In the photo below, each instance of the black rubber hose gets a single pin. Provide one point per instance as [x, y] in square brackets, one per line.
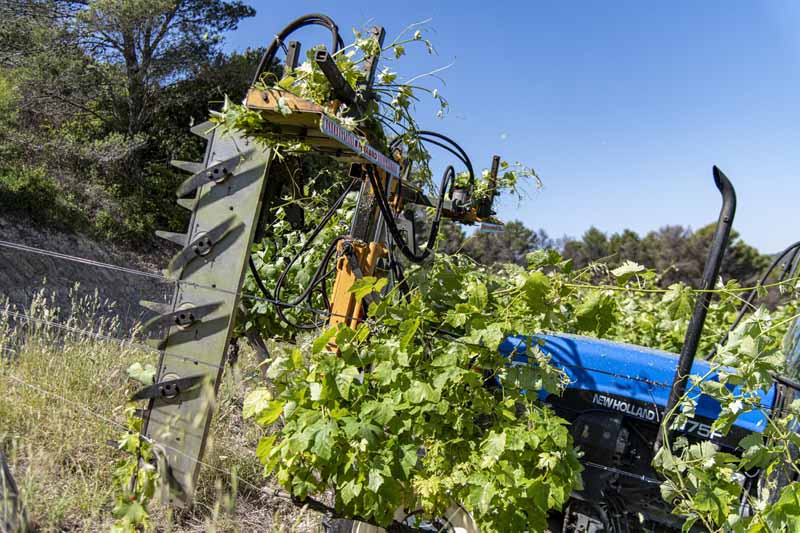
[321, 279]
[399, 275]
[313, 19]
[386, 211]
[464, 157]
[279, 284]
[317, 281]
[325, 219]
[450, 149]
[791, 266]
[259, 281]
[454, 148]
[466, 163]
[793, 273]
[748, 302]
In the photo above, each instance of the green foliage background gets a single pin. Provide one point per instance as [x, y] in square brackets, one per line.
[97, 97]
[422, 429]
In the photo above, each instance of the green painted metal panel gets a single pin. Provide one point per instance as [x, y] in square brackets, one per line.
[212, 271]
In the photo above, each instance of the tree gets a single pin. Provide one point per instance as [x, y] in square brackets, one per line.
[677, 252]
[670, 252]
[742, 262]
[221, 75]
[511, 246]
[626, 245]
[593, 246]
[156, 42]
[103, 94]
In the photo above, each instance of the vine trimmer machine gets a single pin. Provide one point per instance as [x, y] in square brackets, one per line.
[226, 194]
[618, 393]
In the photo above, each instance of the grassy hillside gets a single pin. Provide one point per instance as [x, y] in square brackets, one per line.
[63, 400]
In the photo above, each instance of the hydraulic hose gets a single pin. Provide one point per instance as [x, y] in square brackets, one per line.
[791, 266]
[317, 273]
[399, 275]
[318, 277]
[321, 282]
[748, 302]
[386, 211]
[257, 277]
[313, 19]
[454, 148]
[463, 155]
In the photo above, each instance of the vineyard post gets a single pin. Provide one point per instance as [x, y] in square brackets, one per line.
[12, 513]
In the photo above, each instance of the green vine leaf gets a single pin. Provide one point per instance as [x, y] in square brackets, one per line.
[344, 379]
[367, 285]
[596, 314]
[493, 448]
[260, 405]
[143, 374]
[626, 270]
[536, 288]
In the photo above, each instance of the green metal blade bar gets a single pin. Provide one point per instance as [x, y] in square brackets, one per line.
[181, 423]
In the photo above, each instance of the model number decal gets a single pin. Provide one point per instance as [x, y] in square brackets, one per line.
[701, 430]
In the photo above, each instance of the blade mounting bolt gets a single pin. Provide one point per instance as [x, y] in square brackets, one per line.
[203, 245]
[184, 319]
[169, 390]
[218, 174]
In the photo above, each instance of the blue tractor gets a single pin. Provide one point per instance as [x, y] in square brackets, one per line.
[615, 403]
[617, 397]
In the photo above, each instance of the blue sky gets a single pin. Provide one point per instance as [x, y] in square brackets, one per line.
[622, 107]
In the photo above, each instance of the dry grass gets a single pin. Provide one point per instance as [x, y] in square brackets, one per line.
[60, 453]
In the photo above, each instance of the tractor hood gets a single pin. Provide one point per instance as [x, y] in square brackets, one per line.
[625, 371]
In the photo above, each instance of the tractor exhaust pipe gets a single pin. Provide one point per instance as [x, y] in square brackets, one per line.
[710, 274]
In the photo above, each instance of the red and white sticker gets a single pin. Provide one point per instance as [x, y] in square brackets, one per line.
[488, 227]
[335, 131]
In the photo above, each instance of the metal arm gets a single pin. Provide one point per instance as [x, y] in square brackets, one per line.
[341, 89]
[225, 210]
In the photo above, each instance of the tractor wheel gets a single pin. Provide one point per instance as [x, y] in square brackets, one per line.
[338, 525]
[456, 520]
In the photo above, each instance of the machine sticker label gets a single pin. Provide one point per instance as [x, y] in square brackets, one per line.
[488, 227]
[690, 426]
[700, 429]
[624, 407]
[335, 131]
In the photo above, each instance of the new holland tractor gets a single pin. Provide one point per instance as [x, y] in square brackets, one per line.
[618, 396]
